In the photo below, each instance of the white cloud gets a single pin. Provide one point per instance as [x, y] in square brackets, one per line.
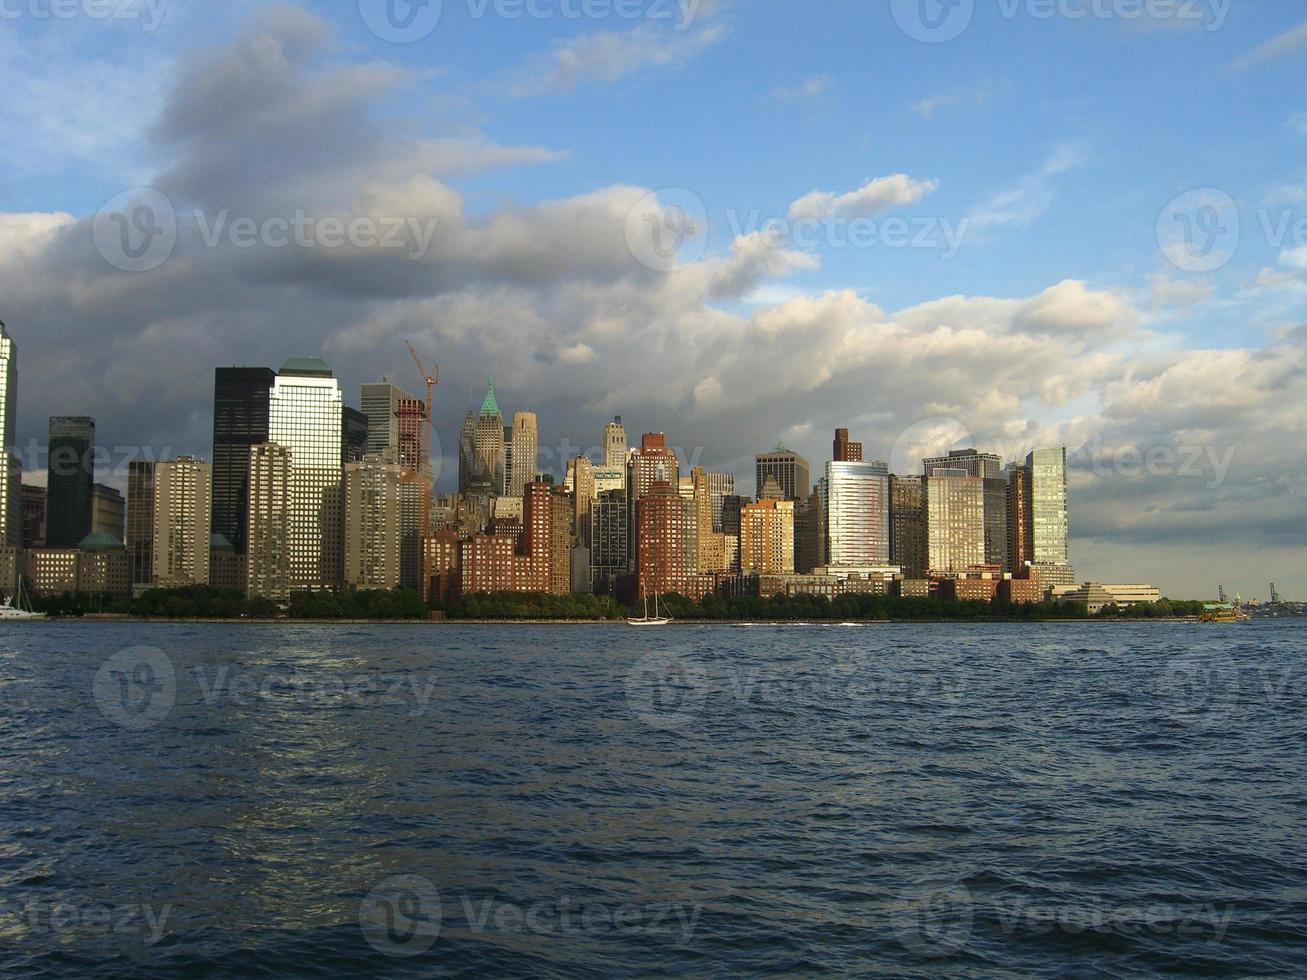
[608, 56]
[1289, 43]
[874, 197]
[1165, 293]
[809, 88]
[969, 96]
[1030, 198]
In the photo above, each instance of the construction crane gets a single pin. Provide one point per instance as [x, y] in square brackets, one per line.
[430, 375]
[1221, 592]
[1275, 596]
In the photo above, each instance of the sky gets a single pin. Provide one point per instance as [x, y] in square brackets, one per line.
[1006, 224]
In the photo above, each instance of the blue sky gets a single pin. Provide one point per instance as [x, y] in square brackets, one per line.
[1052, 145]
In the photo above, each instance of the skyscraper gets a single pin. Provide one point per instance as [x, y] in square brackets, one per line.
[1048, 507]
[789, 469]
[855, 509]
[240, 420]
[610, 555]
[615, 445]
[524, 439]
[373, 513]
[846, 451]
[108, 512]
[269, 523]
[354, 435]
[11, 476]
[395, 420]
[140, 520]
[33, 507]
[907, 532]
[711, 544]
[666, 550]
[989, 468]
[70, 480]
[182, 522]
[489, 462]
[306, 416]
[767, 537]
[653, 462]
[955, 520]
[1018, 517]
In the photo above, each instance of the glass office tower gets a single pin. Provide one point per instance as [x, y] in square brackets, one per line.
[70, 481]
[240, 420]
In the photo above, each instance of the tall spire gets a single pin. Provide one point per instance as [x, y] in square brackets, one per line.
[490, 406]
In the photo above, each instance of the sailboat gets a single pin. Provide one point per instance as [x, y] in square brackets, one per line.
[646, 619]
[13, 608]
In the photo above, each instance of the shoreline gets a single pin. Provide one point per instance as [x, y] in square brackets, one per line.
[141, 620]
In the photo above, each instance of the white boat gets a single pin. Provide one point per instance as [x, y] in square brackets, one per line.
[13, 608]
[646, 619]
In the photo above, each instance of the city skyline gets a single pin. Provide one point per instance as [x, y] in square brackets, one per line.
[1057, 303]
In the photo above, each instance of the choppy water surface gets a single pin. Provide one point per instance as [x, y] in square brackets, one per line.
[418, 801]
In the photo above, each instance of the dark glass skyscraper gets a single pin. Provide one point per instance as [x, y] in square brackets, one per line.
[354, 435]
[240, 420]
[70, 481]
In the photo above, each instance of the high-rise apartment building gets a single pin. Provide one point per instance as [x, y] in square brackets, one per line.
[652, 463]
[610, 555]
[11, 474]
[666, 549]
[306, 416]
[524, 439]
[955, 521]
[581, 477]
[240, 420]
[855, 509]
[268, 531]
[562, 515]
[767, 537]
[907, 531]
[989, 468]
[1018, 517]
[140, 520]
[373, 524]
[788, 468]
[70, 481]
[707, 492]
[615, 445]
[844, 450]
[182, 522]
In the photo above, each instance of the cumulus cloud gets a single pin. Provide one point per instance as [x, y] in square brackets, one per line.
[872, 198]
[721, 352]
